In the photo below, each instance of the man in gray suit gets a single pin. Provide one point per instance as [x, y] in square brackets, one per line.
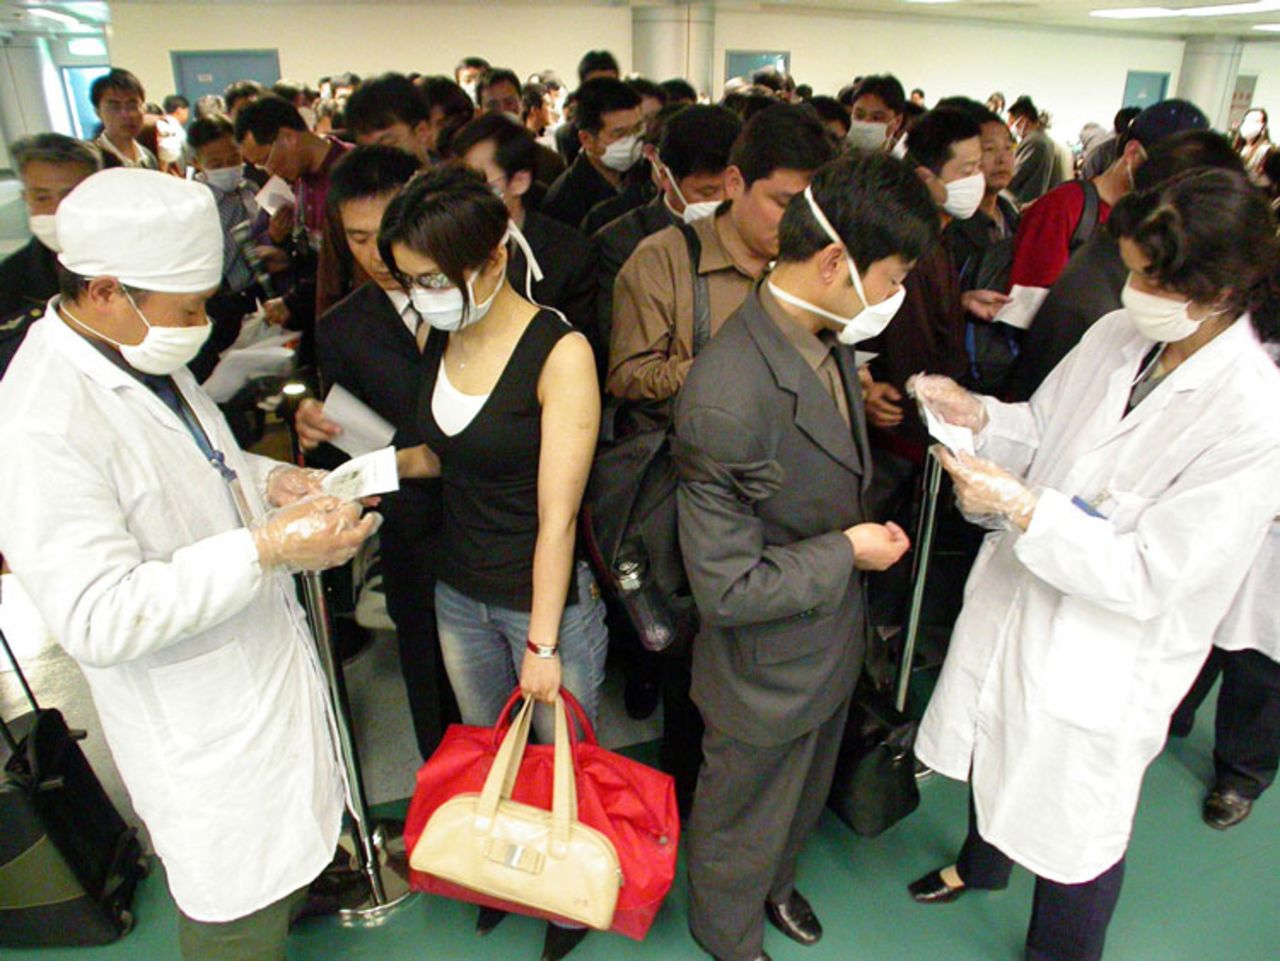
[772, 447]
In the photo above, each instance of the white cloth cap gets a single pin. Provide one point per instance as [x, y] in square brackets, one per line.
[148, 230]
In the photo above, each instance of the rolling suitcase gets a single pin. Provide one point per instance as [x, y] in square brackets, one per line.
[69, 864]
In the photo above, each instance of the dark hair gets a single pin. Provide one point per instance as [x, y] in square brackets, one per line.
[154, 109]
[845, 96]
[210, 105]
[1207, 232]
[596, 60]
[829, 109]
[1124, 117]
[470, 63]
[647, 88]
[698, 139]
[347, 79]
[117, 78]
[550, 79]
[601, 96]
[53, 148]
[383, 101]
[930, 142]
[875, 202]
[769, 77]
[439, 91]
[289, 90]
[266, 117]
[917, 90]
[804, 91]
[885, 86]
[1025, 107]
[494, 76]
[532, 97]
[174, 102]
[374, 170]
[1260, 110]
[241, 90]
[514, 149]
[71, 285]
[677, 88]
[784, 137]
[207, 130]
[1185, 151]
[449, 215]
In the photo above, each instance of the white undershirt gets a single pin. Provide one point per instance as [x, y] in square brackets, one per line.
[452, 409]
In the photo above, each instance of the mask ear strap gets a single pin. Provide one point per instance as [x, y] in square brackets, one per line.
[532, 271]
[825, 224]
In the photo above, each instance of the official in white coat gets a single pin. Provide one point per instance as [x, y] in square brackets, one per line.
[142, 534]
[1134, 491]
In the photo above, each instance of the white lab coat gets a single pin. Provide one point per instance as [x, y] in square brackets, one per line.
[1079, 637]
[201, 666]
[1253, 623]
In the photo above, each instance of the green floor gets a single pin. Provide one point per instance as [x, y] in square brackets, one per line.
[1191, 894]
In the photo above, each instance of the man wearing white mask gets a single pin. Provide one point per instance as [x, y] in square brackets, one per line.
[50, 166]
[878, 105]
[147, 541]
[774, 462]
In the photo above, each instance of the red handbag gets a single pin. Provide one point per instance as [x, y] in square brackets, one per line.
[631, 804]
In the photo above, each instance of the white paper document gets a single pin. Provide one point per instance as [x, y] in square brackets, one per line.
[863, 357]
[1021, 310]
[954, 438]
[238, 367]
[363, 430]
[274, 195]
[365, 476]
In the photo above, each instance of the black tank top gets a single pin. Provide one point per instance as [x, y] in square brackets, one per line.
[489, 472]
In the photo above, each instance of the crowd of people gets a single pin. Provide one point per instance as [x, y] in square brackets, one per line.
[513, 273]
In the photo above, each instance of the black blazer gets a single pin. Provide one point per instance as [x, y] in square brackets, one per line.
[362, 344]
[771, 476]
[568, 262]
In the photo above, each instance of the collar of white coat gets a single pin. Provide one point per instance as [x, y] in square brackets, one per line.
[77, 349]
[1207, 362]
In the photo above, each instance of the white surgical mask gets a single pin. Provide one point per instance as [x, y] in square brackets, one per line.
[622, 155]
[694, 211]
[225, 179]
[470, 88]
[867, 135]
[444, 309]
[44, 228]
[964, 196]
[1157, 318]
[872, 319]
[899, 149]
[163, 350]
[1251, 128]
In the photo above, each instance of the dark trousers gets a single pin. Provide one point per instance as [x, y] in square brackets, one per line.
[1246, 751]
[1068, 921]
[754, 810]
[682, 730]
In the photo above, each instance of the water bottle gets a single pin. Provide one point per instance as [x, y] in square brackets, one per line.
[647, 608]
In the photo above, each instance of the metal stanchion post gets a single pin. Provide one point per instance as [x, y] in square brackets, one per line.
[920, 572]
[384, 865]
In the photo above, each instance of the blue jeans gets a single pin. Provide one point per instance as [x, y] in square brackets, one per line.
[484, 646]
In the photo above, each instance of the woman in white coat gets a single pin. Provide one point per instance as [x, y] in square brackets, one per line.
[1131, 495]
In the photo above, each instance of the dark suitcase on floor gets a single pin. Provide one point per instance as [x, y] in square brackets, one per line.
[69, 864]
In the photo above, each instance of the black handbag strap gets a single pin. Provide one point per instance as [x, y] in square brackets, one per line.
[701, 291]
[1088, 216]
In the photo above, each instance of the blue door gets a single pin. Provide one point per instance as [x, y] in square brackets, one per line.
[743, 63]
[1142, 89]
[200, 72]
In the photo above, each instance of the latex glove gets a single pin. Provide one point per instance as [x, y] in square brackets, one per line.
[983, 304]
[540, 677]
[312, 427]
[949, 400]
[882, 410]
[276, 312]
[287, 484]
[877, 547]
[984, 488]
[313, 534]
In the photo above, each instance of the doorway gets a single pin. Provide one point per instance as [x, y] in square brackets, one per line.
[1143, 88]
[197, 73]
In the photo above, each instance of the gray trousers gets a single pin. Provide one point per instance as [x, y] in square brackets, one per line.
[753, 811]
[256, 937]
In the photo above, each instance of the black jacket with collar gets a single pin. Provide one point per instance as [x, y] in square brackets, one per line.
[28, 278]
[568, 262]
[576, 191]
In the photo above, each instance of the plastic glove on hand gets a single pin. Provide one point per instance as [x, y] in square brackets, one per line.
[948, 400]
[287, 484]
[985, 488]
[313, 534]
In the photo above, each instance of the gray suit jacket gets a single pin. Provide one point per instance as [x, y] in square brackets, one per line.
[770, 477]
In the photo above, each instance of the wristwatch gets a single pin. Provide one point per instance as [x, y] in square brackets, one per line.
[542, 650]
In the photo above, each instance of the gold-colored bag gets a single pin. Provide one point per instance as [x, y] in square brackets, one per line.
[545, 860]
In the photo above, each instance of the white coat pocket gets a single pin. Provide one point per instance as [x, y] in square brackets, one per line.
[207, 697]
[1089, 669]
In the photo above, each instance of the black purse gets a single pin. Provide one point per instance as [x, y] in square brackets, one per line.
[875, 782]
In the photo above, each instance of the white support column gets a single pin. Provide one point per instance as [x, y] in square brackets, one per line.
[1208, 75]
[675, 41]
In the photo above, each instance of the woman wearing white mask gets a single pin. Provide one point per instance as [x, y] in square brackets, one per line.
[509, 410]
[1255, 136]
[1130, 496]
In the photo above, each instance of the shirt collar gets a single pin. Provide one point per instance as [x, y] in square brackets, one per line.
[811, 348]
[404, 309]
[715, 256]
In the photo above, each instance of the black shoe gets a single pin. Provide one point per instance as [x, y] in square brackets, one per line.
[931, 889]
[488, 919]
[762, 956]
[1225, 808]
[795, 919]
[641, 696]
[560, 941]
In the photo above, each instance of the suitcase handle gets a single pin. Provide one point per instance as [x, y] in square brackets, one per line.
[26, 688]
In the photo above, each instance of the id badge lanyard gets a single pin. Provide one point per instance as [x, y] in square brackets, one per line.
[214, 456]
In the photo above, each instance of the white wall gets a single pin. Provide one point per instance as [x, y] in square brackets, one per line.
[315, 40]
[1077, 77]
[1263, 61]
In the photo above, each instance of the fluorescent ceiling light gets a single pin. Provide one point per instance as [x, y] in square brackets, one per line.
[1267, 27]
[63, 18]
[87, 47]
[1211, 10]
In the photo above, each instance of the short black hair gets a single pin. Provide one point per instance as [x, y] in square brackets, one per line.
[601, 96]
[496, 75]
[289, 90]
[175, 101]
[207, 130]
[383, 101]
[347, 79]
[532, 97]
[117, 78]
[930, 141]
[374, 170]
[1025, 107]
[755, 102]
[678, 89]
[470, 63]
[769, 77]
[1124, 116]
[782, 137]
[450, 215]
[242, 90]
[829, 109]
[266, 117]
[804, 91]
[596, 60]
[647, 88]
[54, 148]
[440, 91]
[514, 149]
[71, 285]
[698, 139]
[877, 205]
[1189, 150]
[917, 90]
[885, 86]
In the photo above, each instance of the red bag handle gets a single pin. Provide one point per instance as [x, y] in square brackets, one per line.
[575, 709]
